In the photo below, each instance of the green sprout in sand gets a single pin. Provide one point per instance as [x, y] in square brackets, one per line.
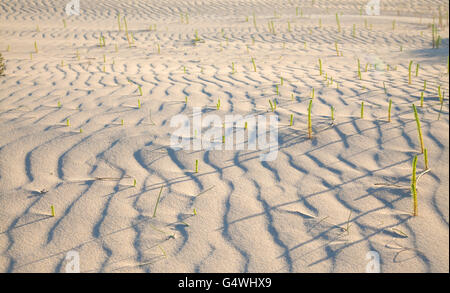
[418, 128]
[414, 187]
[389, 110]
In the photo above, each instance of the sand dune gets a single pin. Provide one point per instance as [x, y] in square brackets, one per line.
[321, 206]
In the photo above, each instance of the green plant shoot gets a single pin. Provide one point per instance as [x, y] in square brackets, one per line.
[418, 128]
[389, 110]
[413, 186]
[254, 65]
[157, 201]
[362, 110]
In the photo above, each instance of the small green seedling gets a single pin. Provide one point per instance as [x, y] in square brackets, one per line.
[421, 99]
[254, 65]
[359, 70]
[195, 212]
[362, 110]
[81, 130]
[157, 202]
[68, 122]
[271, 106]
[417, 69]
[140, 90]
[389, 110]
[139, 103]
[162, 250]
[122, 122]
[312, 93]
[277, 90]
[413, 186]
[218, 104]
[418, 128]
[424, 85]
[196, 166]
[36, 47]
[320, 67]
[292, 120]
[441, 98]
[196, 39]
[332, 114]
[425, 157]
[134, 182]
[438, 42]
[59, 104]
[52, 207]
[338, 23]
[309, 120]
[132, 39]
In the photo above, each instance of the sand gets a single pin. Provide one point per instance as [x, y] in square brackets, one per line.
[321, 206]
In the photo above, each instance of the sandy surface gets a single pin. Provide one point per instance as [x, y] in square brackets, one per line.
[321, 206]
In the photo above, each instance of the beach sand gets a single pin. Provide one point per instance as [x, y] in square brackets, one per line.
[324, 204]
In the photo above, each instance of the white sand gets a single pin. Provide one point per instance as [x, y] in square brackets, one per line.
[288, 215]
